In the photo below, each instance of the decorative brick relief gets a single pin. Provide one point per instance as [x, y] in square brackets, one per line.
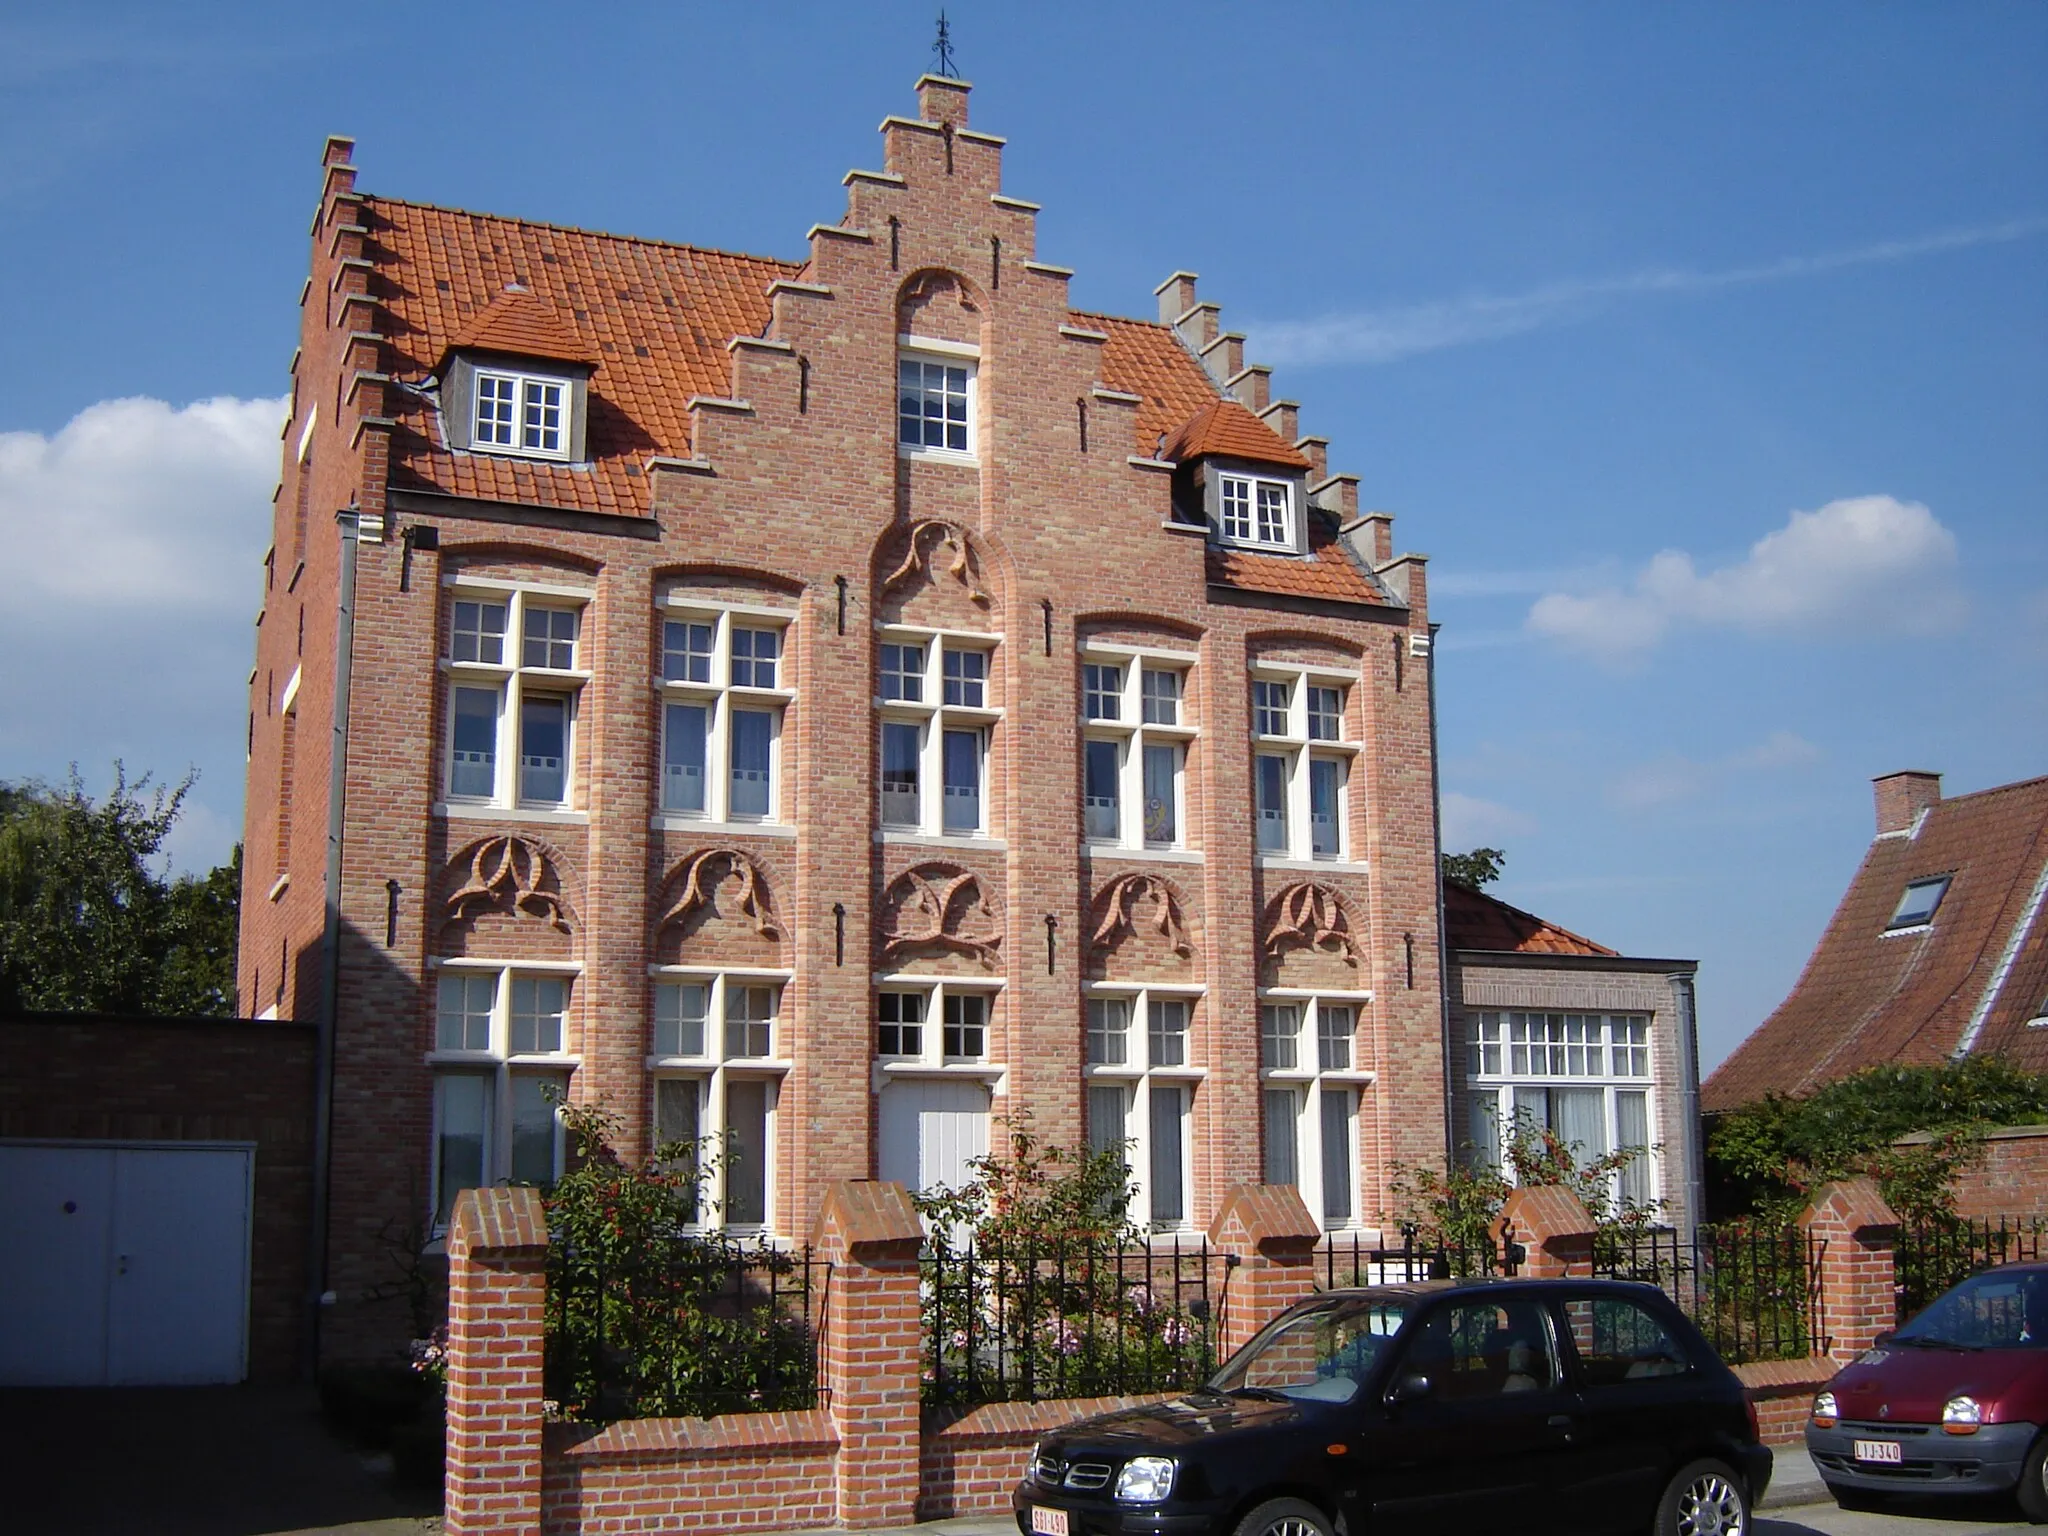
[718, 899]
[1137, 923]
[508, 875]
[1307, 915]
[933, 550]
[940, 909]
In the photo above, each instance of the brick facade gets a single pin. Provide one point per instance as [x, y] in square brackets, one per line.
[751, 459]
[72, 1077]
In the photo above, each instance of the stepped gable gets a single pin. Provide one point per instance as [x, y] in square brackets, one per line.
[1474, 920]
[1148, 360]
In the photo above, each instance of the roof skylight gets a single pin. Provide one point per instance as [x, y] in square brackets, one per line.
[1916, 907]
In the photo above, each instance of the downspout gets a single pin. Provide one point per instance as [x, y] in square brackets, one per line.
[318, 1296]
[1682, 989]
[1436, 877]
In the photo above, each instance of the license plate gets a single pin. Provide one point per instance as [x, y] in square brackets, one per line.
[1866, 1450]
[1048, 1522]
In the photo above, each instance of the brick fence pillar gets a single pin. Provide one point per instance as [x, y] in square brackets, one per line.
[1858, 1269]
[497, 1293]
[873, 1348]
[1270, 1233]
[1552, 1226]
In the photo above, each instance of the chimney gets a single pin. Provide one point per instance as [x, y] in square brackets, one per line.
[1902, 798]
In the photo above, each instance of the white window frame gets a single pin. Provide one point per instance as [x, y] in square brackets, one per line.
[714, 1069]
[720, 697]
[1297, 751]
[1566, 1054]
[933, 718]
[1132, 734]
[511, 680]
[1255, 490]
[931, 1059]
[931, 350]
[523, 383]
[1136, 1076]
[497, 1063]
[1311, 1080]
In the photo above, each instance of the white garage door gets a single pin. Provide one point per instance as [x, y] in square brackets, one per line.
[930, 1131]
[123, 1265]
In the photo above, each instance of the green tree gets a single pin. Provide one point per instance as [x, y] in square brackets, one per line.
[86, 922]
[1475, 870]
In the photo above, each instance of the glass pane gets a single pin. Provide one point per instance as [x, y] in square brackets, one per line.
[1269, 707]
[1632, 1130]
[903, 672]
[1162, 698]
[543, 750]
[1485, 1129]
[550, 638]
[682, 759]
[478, 633]
[461, 1129]
[1325, 806]
[1271, 778]
[1101, 690]
[900, 801]
[686, 652]
[966, 678]
[1581, 1121]
[1099, 793]
[753, 732]
[1162, 794]
[533, 1127]
[494, 410]
[1333, 1036]
[754, 654]
[1279, 1028]
[963, 781]
[678, 1120]
[1283, 1132]
[746, 1152]
[1326, 714]
[1169, 1032]
[749, 1019]
[1169, 1104]
[1336, 1128]
[538, 1003]
[474, 772]
[1273, 528]
[966, 1026]
[465, 1013]
[1109, 1024]
[900, 1027]
[1106, 1119]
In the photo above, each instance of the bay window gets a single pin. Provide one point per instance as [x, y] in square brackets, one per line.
[1584, 1077]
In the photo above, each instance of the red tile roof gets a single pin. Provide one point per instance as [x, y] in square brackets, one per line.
[522, 325]
[654, 318]
[1475, 920]
[1868, 998]
[1226, 428]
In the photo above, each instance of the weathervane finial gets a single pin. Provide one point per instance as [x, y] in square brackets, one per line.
[943, 49]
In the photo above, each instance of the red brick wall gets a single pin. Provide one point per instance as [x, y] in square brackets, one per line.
[970, 1462]
[741, 1472]
[80, 1077]
[2009, 1178]
[1782, 1391]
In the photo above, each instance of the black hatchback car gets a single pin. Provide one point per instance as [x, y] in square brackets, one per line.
[1562, 1406]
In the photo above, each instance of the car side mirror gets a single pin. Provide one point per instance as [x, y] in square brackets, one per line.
[1411, 1388]
[1886, 1337]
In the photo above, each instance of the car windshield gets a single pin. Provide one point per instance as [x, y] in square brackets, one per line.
[1988, 1311]
[1321, 1355]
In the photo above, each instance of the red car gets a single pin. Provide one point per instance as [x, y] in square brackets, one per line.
[1955, 1402]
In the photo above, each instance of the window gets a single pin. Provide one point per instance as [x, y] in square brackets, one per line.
[1134, 750]
[905, 1008]
[1257, 512]
[1140, 1081]
[1917, 906]
[718, 1061]
[512, 716]
[1311, 1075]
[522, 413]
[1618, 1341]
[936, 720]
[500, 1053]
[1301, 764]
[1584, 1077]
[721, 746]
[935, 402]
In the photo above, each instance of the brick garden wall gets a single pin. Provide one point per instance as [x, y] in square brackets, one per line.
[2009, 1178]
[81, 1077]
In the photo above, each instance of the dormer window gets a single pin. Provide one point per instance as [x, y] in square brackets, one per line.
[522, 413]
[1258, 513]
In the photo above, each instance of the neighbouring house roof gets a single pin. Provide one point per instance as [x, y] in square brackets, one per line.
[1228, 430]
[1474, 920]
[1966, 982]
[653, 320]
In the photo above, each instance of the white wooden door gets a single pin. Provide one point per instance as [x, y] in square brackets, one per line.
[123, 1265]
[931, 1131]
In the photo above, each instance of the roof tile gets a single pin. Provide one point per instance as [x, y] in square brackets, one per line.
[522, 325]
[1475, 920]
[1227, 429]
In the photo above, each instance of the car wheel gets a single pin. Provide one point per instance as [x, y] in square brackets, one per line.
[1705, 1498]
[2033, 1488]
[1284, 1517]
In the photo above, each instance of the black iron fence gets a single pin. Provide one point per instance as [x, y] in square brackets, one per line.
[1932, 1256]
[1344, 1258]
[1753, 1291]
[699, 1325]
[1024, 1322]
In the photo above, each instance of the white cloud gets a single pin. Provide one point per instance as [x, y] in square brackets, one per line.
[1673, 777]
[1470, 822]
[1860, 566]
[133, 504]
[133, 538]
[1388, 334]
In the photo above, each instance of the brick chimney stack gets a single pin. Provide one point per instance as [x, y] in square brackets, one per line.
[1902, 796]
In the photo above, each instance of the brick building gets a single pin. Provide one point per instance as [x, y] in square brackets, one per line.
[832, 704]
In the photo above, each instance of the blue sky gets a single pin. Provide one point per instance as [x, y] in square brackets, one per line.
[1703, 347]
